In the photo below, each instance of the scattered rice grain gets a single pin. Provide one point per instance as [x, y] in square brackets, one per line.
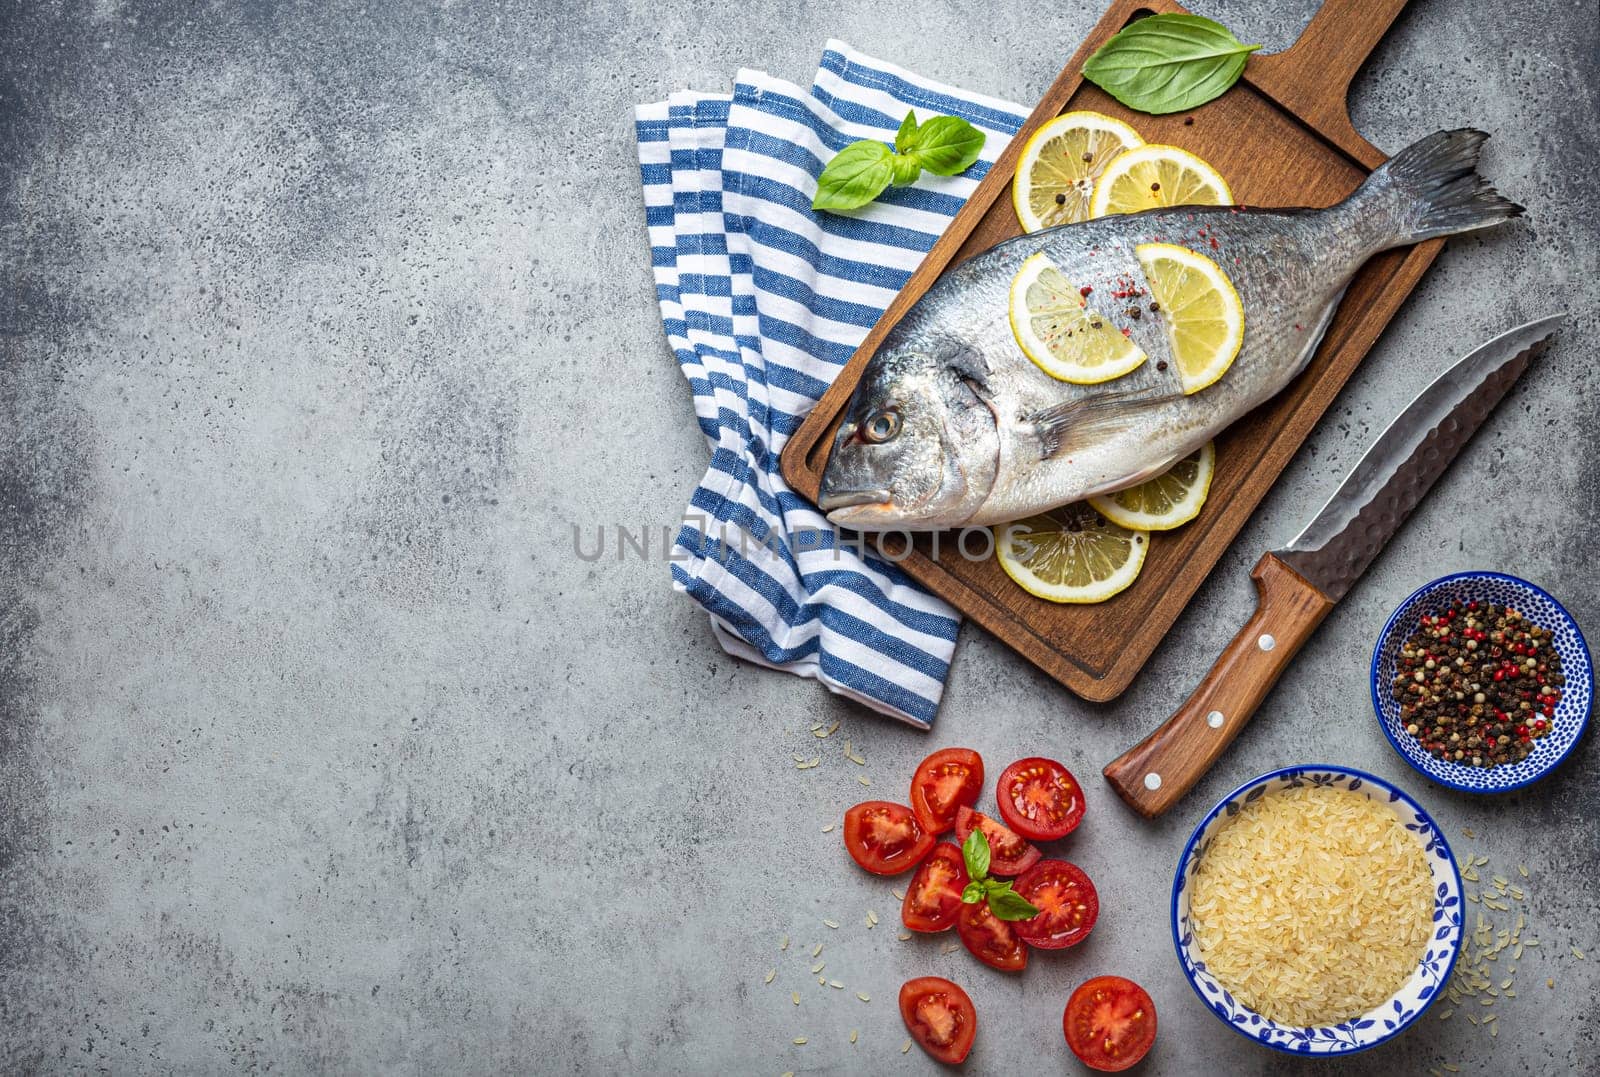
[800, 1041]
[904, 1047]
[1522, 869]
[1577, 953]
[771, 975]
[827, 923]
[872, 917]
[852, 1035]
[863, 996]
[863, 779]
[796, 996]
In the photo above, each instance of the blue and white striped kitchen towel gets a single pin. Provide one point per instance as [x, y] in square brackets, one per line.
[763, 301]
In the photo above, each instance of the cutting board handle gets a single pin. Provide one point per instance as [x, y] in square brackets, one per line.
[1312, 77]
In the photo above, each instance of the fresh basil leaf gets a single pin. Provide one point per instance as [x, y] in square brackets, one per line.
[1168, 63]
[906, 169]
[906, 138]
[947, 145]
[975, 851]
[973, 893]
[1007, 904]
[855, 176]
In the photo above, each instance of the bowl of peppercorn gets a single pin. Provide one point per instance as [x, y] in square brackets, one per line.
[1482, 682]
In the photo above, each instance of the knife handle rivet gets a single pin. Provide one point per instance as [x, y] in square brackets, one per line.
[1214, 719]
[1152, 781]
[1266, 642]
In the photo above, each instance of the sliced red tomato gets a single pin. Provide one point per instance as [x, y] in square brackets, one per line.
[1039, 799]
[944, 782]
[934, 897]
[1008, 854]
[939, 1016]
[1110, 1023]
[885, 838]
[1067, 905]
[990, 939]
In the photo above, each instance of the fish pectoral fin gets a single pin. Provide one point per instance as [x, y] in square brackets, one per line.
[1068, 427]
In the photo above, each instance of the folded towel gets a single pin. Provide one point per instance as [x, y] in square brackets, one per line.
[763, 301]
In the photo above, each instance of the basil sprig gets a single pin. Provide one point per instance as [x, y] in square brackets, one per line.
[1168, 63]
[1004, 902]
[945, 146]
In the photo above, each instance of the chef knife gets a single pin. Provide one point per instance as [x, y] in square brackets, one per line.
[1297, 585]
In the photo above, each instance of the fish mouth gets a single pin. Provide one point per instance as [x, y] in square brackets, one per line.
[831, 500]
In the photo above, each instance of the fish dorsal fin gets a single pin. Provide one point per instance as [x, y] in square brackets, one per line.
[1068, 426]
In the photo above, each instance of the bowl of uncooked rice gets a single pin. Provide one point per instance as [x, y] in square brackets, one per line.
[1317, 910]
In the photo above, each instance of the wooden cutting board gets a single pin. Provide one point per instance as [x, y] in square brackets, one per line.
[1281, 137]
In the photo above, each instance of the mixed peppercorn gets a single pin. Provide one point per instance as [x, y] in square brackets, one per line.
[1478, 683]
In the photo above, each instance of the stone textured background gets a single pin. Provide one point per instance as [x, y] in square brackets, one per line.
[319, 748]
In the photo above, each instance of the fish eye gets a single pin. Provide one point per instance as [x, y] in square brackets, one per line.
[881, 426]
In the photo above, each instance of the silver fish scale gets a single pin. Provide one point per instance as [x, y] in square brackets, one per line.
[951, 424]
[1289, 268]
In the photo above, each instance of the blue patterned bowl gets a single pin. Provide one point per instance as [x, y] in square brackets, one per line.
[1571, 714]
[1383, 1021]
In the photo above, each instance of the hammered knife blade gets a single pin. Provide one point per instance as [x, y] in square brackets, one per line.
[1296, 586]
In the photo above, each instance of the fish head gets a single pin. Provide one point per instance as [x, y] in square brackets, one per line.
[918, 448]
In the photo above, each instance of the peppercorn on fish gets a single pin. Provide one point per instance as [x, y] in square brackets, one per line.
[952, 424]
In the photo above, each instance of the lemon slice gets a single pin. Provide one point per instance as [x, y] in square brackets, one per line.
[1064, 336]
[1060, 163]
[1152, 176]
[1174, 497]
[1072, 554]
[1202, 312]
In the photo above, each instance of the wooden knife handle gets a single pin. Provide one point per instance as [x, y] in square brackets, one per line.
[1164, 766]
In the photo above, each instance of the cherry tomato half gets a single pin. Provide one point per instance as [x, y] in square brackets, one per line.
[1039, 799]
[944, 782]
[1110, 1023]
[1008, 854]
[991, 939]
[1067, 905]
[885, 838]
[939, 1016]
[934, 897]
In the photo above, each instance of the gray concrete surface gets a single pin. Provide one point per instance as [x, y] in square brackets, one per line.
[319, 749]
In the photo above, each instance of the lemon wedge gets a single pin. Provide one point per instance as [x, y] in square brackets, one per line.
[1202, 312]
[1060, 163]
[1152, 176]
[1072, 554]
[1064, 336]
[1166, 501]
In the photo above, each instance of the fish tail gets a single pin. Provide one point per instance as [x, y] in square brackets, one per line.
[1432, 188]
